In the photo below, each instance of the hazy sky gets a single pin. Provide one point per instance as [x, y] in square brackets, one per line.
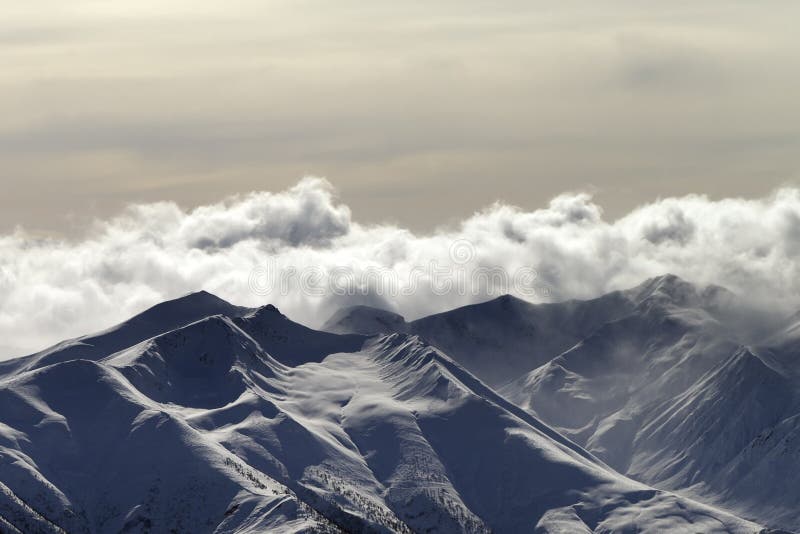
[418, 112]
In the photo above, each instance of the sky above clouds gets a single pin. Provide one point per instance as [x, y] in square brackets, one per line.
[153, 148]
[419, 112]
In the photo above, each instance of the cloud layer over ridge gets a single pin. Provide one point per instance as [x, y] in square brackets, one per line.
[301, 250]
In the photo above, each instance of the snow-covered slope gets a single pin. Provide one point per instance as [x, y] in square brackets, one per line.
[201, 428]
[668, 395]
[666, 382]
[498, 340]
[83, 450]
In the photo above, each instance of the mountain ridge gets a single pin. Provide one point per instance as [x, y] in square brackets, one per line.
[202, 428]
[155, 320]
[624, 359]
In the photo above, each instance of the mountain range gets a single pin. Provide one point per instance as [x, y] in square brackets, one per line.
[639, 411]
[676, 386]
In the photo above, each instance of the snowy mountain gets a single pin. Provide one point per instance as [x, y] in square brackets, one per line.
[663, 382]
[156, 320]
[244, 421]
[670, 396]
[362, 319]
[497, 340]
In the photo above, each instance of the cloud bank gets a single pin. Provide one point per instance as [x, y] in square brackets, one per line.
[52, 289]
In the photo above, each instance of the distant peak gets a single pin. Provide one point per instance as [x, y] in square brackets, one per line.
[188, 308]
[505, 302]
[195, 298]
[364, 319]
[715, 292]
[363, 309]
[667, 279]
[666, 287]
[265, 313]
[508, 299]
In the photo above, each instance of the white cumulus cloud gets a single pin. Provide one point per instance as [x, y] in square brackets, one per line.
[301, 250]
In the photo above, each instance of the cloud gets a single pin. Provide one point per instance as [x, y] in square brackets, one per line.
[301, 250]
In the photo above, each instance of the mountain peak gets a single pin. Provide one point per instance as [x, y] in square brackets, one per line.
[262, 312]
[363, 319]
[163, 317]
[666, 280]
[292, 343]
[196, 297]
[509, 300]
[665, 287]
[195, 305]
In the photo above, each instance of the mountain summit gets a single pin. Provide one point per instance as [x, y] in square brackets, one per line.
[362, 319]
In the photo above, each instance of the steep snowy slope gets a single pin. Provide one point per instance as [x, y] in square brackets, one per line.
[200, 429]
[665, 343]
[610, 369]
[83, 450]
[668, 396]
[742, 460]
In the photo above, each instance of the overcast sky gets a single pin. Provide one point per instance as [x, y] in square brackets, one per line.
[418, 112]
[619, 140]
